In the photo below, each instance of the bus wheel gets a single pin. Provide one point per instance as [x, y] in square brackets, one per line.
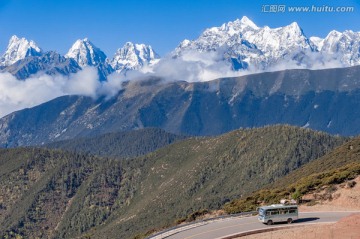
[289, 220]
[270, 222]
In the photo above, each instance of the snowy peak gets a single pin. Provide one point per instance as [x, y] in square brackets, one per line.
[235, 27]
[133, 56]
[337, 41]
[294, 25]
[245, 21]
[85, 53]
[213, 38]
[253, 46]
[18, 49]
[231, 33]
[318, 42]
[294, 29]
[343, 46]
[334, 33]
[278, 41]
[331, 40]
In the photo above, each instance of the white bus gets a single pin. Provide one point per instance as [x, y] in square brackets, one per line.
[278, 213]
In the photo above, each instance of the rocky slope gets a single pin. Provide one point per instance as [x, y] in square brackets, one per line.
[50, 63]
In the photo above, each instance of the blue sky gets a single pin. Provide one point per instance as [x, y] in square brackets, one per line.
[55, 25]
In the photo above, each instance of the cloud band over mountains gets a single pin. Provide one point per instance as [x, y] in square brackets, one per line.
[19, 94]
[191, 67]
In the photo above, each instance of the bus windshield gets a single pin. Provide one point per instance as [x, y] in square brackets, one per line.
[261, 212]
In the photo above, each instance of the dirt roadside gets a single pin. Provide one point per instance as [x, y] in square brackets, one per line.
[343, 197]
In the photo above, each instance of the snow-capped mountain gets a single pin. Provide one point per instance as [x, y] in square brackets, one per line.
[250, 45]
[344, 47]
[24, 58]
[18, 49]
[213, 38]
[85, 53]
[245, 45]
[239, 44]
[133, 57]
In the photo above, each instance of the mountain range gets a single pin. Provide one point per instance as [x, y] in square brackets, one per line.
[24, 58]
[241, 44]
[247, 46]
[324, 100]
[320, 99]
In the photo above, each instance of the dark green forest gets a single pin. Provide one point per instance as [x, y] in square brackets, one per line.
[127, 144]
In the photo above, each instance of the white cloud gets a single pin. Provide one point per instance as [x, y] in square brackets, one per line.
[112, 85]
[85, 82]
[193, 66]
[19, 94]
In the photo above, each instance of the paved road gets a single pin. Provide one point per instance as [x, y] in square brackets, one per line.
[218, 229]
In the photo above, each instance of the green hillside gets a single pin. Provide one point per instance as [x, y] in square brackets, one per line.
[341, 164]
[346, 154]
[54, 194]
[39, 187]
[127, 144]
[206, 173]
